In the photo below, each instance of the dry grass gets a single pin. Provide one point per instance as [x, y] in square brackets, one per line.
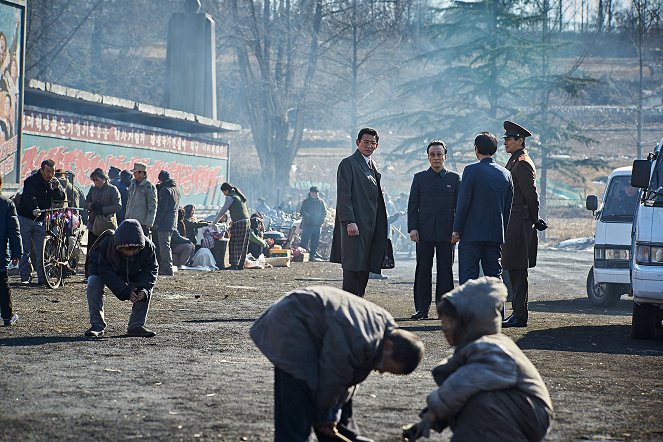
[564, 228]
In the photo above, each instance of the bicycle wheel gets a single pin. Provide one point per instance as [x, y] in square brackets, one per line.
[51, 262]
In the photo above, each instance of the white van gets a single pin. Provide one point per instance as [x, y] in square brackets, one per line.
[609, 278]
[647, 246]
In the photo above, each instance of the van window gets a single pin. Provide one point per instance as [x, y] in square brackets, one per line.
[620, 201]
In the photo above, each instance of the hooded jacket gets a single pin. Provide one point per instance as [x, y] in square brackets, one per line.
[326, 337]
[122, 273]
[484, 358]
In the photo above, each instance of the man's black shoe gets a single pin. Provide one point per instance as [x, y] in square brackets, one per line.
[513, 321]
[92, 333]
[140, 332]
[419, 315]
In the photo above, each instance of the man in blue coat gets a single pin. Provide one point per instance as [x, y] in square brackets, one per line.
[11, 250]
[482, 212]
[430, 217]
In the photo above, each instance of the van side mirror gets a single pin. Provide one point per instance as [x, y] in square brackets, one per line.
[592, 203]
[640, 174]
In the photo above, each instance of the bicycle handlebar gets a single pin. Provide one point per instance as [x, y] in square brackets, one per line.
[59, 209]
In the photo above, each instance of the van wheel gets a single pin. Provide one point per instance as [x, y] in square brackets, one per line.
[602, 295]
[643, 322]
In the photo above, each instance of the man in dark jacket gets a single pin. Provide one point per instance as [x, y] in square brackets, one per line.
[124, 261]
[39, 192]
[482, 212]
[360, 228]
[122, 183]
[430, 218]
[323, 342]
[165, 222]
[313, 213]
[10, 241]
[520, 246]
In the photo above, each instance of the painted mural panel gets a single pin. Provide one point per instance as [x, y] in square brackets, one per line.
[12, 15]
[81, 145]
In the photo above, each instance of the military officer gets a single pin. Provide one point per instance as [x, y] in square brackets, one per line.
[520, 246]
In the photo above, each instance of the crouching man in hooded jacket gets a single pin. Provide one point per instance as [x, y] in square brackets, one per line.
[323, 342]
[124, 261]
[487, 390]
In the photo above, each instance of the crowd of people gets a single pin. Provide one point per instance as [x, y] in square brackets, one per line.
[324, 341]
[172, 230]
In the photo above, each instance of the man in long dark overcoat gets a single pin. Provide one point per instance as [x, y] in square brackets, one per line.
[521, 242]
[360, 230]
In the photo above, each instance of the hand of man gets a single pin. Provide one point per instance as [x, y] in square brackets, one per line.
[414, 235]
[353, 230]
[415, 431]
[36, 213]
[455, 237]
[326, 428]
[137, 295]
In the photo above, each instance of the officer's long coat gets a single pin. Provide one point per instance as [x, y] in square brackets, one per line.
[359, 200]
[520, 246]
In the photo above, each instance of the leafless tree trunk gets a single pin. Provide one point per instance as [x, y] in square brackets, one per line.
[276, 45]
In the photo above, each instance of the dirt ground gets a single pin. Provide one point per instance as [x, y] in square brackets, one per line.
[201, 377]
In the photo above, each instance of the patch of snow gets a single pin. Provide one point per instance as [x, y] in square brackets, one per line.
[576, 243]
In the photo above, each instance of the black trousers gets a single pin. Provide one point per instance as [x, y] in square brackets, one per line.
[5, 296]
[520, 293]
[423, 286]
[355, 282]
[470, 253]
[294, 411]
[310, 239]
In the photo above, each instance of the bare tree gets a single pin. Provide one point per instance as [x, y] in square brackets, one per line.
[276, 46]
[643, 24]
[358, 32]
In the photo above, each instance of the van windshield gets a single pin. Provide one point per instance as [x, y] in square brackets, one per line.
[620, 201]
[657, 178]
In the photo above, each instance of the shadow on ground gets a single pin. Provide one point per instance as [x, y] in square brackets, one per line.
[623, 307]
[612, 339]
[203, 321]
[43, 340]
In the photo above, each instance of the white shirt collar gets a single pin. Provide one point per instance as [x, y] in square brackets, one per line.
[367, 159]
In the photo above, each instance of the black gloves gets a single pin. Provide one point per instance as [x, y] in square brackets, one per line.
[96, 207]
[540, 225]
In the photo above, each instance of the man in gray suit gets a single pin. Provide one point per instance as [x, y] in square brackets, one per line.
[360, 230]
[430, 218]
[482, 212]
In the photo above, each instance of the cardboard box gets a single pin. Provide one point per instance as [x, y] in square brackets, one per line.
[280, 261]
[280, 253]
[302, 257]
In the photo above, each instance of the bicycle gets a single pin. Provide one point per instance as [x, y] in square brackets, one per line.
[63, 238]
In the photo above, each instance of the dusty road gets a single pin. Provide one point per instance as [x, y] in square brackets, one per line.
[201, 377]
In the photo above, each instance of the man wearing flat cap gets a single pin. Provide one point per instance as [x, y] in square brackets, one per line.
[142, 198]
[519, 249]
[313, 213]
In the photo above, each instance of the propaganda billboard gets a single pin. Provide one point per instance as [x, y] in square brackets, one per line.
[80, 145]
[12, 19]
